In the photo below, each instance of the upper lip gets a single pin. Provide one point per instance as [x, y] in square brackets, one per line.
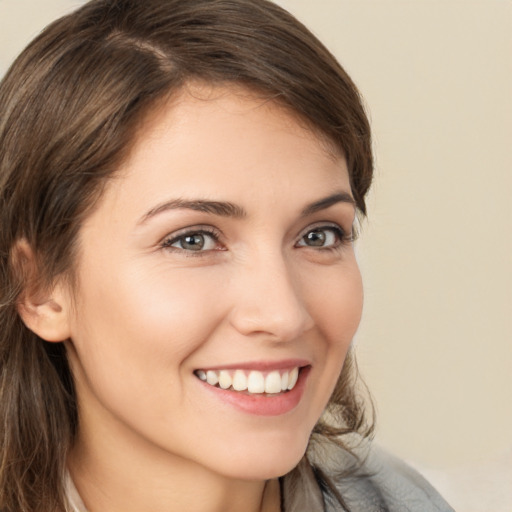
[284, 364]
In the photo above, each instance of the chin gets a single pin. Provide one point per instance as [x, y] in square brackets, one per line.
[264, 461]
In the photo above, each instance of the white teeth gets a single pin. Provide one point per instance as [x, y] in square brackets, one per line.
[225, 380]
[284, 381]
[254, 382]
[239, 381]
[292, 379]
[212, 378]
[273, 383]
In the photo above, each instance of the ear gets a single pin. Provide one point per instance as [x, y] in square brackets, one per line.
[44, 311]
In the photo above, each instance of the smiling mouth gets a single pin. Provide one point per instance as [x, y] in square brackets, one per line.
[252, 382]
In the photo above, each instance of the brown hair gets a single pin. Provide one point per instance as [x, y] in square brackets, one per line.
[69, 108]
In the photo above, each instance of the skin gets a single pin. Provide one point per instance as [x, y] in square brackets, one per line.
[147, 312]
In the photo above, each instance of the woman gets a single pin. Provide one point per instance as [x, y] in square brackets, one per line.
[179, 183]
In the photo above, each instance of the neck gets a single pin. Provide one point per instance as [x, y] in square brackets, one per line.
[115, 476]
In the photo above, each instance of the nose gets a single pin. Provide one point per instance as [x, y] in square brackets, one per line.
[269, 301]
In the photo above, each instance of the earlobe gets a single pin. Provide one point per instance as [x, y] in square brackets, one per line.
[44, 311]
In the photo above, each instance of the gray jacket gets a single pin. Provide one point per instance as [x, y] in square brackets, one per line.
[377, 482]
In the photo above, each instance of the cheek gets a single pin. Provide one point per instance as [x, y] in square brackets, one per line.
[337, 305]
[131, 330]
[335, 302]
[178, 308]
[159, 306]
[133, 339]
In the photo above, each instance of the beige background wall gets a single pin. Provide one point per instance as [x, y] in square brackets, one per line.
[436, 341]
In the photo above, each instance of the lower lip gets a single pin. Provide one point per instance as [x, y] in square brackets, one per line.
[262, 405]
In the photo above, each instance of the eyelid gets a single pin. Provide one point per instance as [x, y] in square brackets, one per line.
[324, 225]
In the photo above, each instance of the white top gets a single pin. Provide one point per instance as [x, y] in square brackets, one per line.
[75, 502]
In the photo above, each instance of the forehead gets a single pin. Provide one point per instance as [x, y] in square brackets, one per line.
[217, 116]
[216, 142]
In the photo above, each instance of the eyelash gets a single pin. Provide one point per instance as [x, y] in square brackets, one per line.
[170, 241]
[342, 239]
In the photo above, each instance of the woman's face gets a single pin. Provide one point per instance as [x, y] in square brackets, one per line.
[221, 251]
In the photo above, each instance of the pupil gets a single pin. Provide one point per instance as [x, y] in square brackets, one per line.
[194, 242]
[316, 238]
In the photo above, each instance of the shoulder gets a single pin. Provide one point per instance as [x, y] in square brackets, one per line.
[370, 481]
[384, 483]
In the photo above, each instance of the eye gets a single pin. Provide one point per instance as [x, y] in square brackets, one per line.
[325, 237]
[193, 241]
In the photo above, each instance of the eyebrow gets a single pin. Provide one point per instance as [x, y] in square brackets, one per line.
[221, 208]
[323, 204]
[227, 209]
